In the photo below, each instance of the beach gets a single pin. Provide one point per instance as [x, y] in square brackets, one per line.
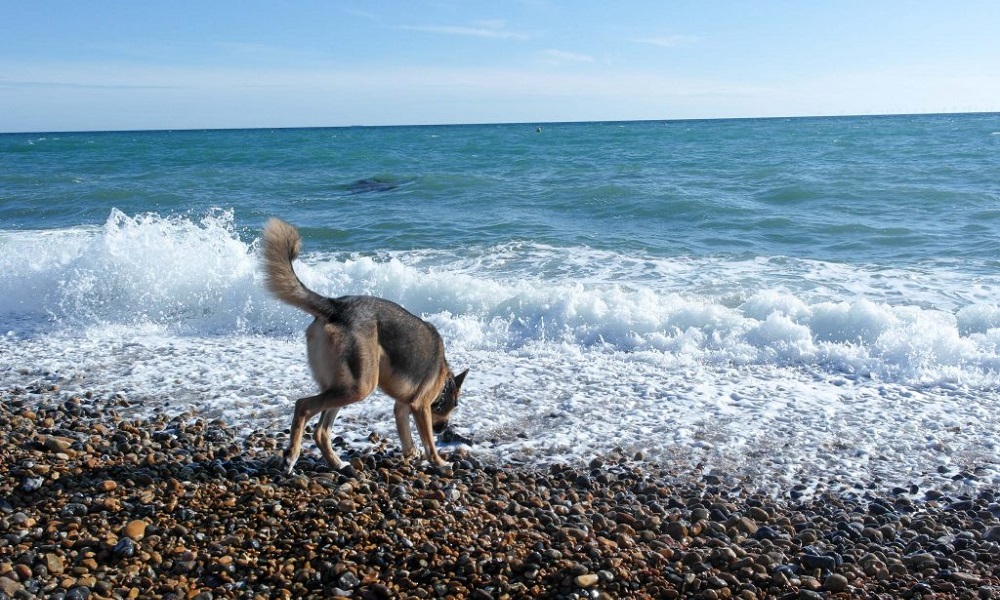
[98, 505]
[750, 358]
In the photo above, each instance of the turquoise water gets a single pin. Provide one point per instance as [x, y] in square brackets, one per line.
[789, 300]
[870, 189]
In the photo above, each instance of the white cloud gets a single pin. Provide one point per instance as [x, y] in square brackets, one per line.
[560, 56]
[670, 41]
[483, 29]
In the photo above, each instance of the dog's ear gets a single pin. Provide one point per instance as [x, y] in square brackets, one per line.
[460, 378]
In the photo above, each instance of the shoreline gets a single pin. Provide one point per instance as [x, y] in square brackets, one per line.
[94, 505]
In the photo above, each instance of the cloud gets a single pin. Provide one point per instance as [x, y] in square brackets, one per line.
[16, 84]
[670, 41]
[560, 56]
[495, 30]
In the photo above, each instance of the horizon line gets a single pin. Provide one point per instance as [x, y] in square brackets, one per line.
[498, 123]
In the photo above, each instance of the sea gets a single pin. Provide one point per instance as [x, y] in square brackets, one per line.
[787, 305]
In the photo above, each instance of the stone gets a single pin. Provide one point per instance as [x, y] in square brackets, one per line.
[677, 530]
[136, 529]
[10, 587]
[54, 564]
[32, 484]
[80, 592]
[349, 581]
[58, 444]
[835, 583]
[814, 561]
[125, 548]
[193, 530]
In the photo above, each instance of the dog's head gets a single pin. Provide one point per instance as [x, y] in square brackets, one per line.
[447, 400]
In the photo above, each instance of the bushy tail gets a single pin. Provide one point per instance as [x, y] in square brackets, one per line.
[281, 246]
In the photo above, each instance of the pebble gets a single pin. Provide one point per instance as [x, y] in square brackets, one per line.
[992, 534]
[835, 582]
[97, 505]
[135, 529]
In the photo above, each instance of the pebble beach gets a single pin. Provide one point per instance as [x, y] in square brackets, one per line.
[95, 504]
[748, 358]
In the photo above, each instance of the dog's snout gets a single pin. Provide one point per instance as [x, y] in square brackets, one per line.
[440, 427]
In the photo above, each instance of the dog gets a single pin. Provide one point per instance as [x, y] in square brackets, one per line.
[358, 343]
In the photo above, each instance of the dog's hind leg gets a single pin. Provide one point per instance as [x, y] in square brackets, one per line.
[306, 408]
[322, 437]
[346, 369]
[402, 414]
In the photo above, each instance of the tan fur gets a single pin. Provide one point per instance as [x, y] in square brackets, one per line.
[349, 357]
[281, 246]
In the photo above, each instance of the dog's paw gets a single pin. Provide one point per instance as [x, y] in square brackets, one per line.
[436, 461]
[289, 460]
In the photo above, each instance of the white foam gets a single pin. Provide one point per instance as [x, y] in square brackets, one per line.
[194, 276]
[776, 369]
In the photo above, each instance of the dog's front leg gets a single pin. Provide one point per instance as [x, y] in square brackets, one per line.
[402, 414]
[422, 415]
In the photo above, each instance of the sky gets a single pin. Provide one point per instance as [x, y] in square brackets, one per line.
[67, 65]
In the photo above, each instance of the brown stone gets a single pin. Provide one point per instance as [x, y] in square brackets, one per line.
[136, 529]
[10, 587]
[54, 564]
[57, 444]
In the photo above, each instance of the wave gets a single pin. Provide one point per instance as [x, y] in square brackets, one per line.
[199, 277]
[184, 274]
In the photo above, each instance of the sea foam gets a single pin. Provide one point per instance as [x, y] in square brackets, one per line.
[573, 351]
[201, 277]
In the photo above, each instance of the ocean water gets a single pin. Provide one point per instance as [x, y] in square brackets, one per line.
[778, 302]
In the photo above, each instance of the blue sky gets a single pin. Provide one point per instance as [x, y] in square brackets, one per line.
[71, 65]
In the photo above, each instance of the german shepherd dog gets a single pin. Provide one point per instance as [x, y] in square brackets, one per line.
[356, 343]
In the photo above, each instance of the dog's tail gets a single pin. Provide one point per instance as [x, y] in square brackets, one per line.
[281, 246]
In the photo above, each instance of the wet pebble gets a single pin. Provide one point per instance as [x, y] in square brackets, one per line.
[97, 505]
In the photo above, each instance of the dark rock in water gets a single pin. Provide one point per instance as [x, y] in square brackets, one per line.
[370, 185]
